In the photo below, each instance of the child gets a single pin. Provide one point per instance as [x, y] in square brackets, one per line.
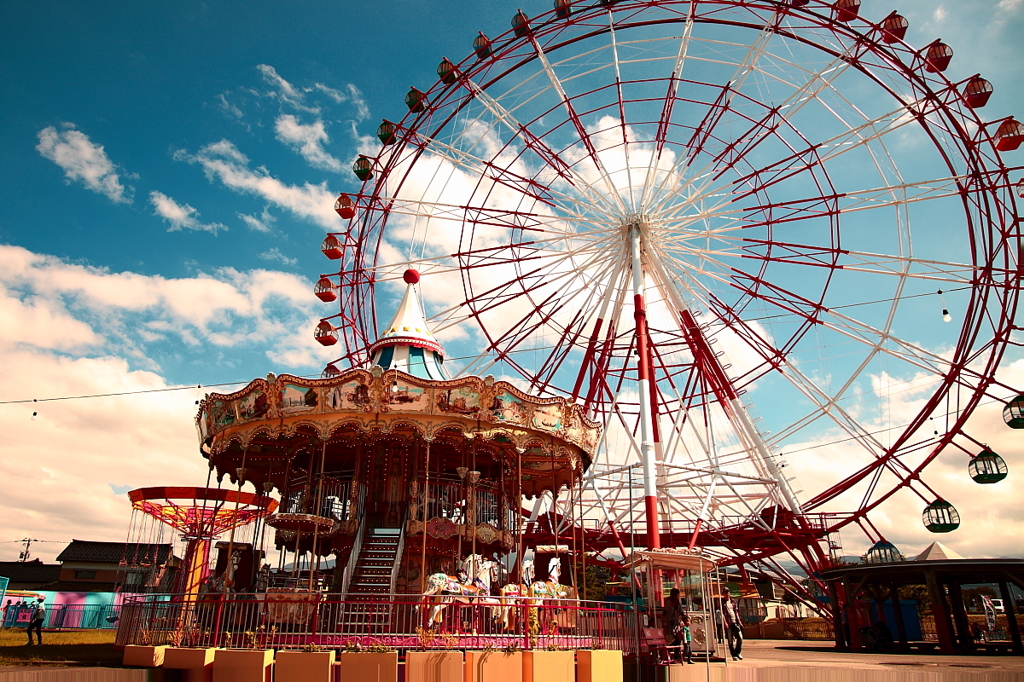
[687, 637]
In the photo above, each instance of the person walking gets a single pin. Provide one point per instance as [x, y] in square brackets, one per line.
[733, 625]
[38, 616]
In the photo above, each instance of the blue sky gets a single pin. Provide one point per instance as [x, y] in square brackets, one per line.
[168, 172]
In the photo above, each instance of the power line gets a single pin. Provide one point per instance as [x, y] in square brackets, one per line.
[313, 376]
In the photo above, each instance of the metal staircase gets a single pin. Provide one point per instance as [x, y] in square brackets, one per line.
[372, 580]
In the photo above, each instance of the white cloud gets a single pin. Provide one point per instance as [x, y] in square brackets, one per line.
[285, 91]
[308, 140]
[49, 304]
[352, 95]
[83, 161]
[274, 254]
[57, 467]
[264, 223]
[939, 14]
[223, 161]
[180, 216]
[67, 330]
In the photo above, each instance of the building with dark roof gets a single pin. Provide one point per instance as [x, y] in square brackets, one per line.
[29, 575]
[88, 566]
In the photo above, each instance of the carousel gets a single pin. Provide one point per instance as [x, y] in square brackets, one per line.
[395, 479]
[403, 513]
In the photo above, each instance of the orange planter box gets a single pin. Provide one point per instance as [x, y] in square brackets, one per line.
[243, 665]
[494, 666]
[197, 663]
[598, 666]
[304, 666]
[370, 666]
[144, 656]
[549, 666]
[434, 666]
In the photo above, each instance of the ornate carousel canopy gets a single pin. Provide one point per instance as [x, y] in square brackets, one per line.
[549, 440]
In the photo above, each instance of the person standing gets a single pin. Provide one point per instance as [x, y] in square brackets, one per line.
[38, 616]
[687, 638]
[672, 622]
[733, 625]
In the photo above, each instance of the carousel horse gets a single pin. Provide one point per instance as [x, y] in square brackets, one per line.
[512, 595]
[444, 589]
[486, 571]
[545, 598]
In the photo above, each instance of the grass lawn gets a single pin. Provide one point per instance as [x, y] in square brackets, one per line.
[76, 647]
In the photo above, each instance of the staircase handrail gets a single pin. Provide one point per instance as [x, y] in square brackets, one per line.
[357, 543]
[398, 552]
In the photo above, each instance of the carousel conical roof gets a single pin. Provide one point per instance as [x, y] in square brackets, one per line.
[407, 344]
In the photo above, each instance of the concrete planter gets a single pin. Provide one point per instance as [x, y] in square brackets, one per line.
[494, 666]
[243, 665]
[196, 664]
[434, 666]
[549, 666]
[366, 665]
[598, 666]
[304, 666]
[144, 656]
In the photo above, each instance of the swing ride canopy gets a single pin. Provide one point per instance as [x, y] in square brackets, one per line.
[201, 513]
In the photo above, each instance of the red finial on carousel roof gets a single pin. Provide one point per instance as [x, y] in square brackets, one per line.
[411, 276]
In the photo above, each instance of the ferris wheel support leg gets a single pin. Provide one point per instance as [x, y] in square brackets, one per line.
[647, 451]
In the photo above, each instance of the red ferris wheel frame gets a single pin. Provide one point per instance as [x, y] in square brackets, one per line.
[944, 111]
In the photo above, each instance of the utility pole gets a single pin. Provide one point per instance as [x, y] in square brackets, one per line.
[27, 553]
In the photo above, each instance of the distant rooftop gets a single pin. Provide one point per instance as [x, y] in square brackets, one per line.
[115, 552]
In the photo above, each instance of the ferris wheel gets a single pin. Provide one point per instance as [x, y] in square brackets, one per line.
[755, 239]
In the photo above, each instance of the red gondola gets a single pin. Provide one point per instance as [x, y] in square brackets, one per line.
[977, 92]
[325, 290]
[331, 247]
[894, 28]
[325, 333]
[1010, 135]
[563, 8]
[937, 56]
[345, 207]
[847, 10]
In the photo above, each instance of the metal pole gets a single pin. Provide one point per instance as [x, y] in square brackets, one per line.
[647, 455]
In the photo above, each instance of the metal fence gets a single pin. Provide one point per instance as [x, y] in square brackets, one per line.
[289, 620]
[66, 616]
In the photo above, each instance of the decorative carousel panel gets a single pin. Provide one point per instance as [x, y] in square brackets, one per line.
[508, 408]
[464, 401]
[349, 395]
[256, 405]
[548, 417]
[297, 399]
[406, 396]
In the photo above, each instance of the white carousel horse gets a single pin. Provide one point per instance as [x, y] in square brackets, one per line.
[547, 594]
[485, 571]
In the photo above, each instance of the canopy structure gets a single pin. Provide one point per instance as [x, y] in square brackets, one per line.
[201, 512]
[944, 576]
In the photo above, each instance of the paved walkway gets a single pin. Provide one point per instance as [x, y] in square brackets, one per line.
[766, 660]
